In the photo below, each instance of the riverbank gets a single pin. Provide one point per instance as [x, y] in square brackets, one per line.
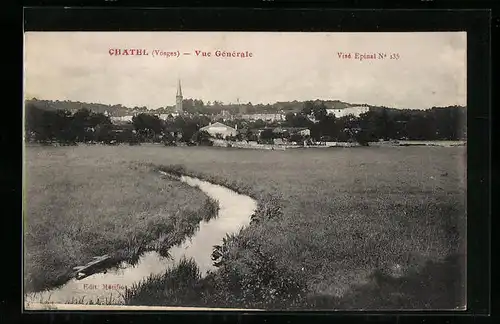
[79, 206]
[184, 284]
[195, 251]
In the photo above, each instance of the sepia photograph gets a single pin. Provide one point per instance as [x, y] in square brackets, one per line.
[245, 170]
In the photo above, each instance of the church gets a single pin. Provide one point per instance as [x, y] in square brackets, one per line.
[178, 99]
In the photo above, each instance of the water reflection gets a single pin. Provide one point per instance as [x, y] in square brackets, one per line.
[234, 213]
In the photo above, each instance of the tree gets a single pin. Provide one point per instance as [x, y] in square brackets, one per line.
[250, 136]
[83, 124]
[35, 122]
[259, 123]
[62, 126]
[386, 125]
[327, 126]
[190, 127]
[202, 138]
[362, 138]
[298, 120]
[188, 106]
[168, 138]
[103, 133]
[289, 117]
[319, 111]
[370, 123]
[296, 137]
[99, 119]
[147, 125]
[308, 108]
[267, 136]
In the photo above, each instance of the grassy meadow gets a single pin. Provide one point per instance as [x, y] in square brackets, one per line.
[79, 205]
[336, 228]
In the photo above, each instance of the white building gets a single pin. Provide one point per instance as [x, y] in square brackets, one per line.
[293, 130]
[355, 111]
[221, 129]
[264, 117]
[121, 119]
[305, 132]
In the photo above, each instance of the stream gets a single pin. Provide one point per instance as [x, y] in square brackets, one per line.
[234, 213]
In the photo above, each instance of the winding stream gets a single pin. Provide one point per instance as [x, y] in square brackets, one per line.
[234, 213]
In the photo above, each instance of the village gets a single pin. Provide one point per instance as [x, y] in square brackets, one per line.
[310, 124]
[231, 129]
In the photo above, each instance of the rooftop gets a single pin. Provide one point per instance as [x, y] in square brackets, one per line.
[217, 124]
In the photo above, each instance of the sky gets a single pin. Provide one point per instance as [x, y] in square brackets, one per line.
[77, 66]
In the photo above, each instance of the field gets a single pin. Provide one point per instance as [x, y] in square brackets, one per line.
[349, 228]
[79, 205]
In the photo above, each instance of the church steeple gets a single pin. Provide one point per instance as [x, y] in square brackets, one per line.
[179, 90]
[178, 99]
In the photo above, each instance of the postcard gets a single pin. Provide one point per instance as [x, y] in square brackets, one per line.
[244, 170]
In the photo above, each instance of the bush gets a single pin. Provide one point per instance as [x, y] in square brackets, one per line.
[250, 277]
[269, 209]
[362, 138]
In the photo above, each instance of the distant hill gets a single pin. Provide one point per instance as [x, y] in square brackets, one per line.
[119, 110]
[73, 106]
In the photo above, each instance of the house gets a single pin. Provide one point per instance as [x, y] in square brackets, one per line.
[224, 115]
[355, 111]
[121, 119]
[166, 116]
[264, 117]
[292, 130]
[219, 129]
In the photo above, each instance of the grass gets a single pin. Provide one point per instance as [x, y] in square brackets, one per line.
[342, 216]
[109, 300]
[331, 227]
[181, 283]
[79, 206]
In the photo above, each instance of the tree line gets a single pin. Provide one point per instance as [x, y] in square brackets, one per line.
[446, 123]
[62, 126]
[443, 123]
